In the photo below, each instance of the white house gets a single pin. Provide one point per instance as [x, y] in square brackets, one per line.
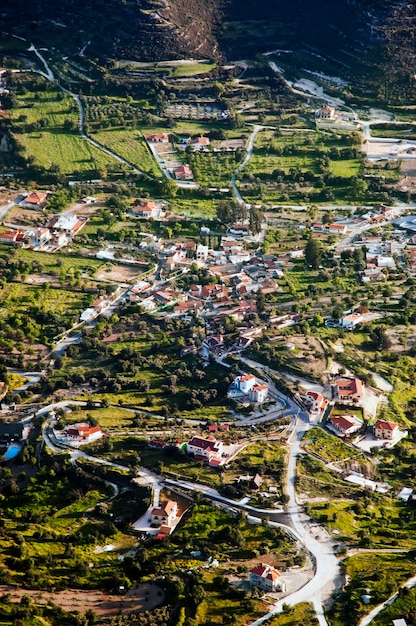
[259, 393]
[245, 382]
[84, 432]
[202, 253]
[351, 321]
[266, 577]
[164, 514]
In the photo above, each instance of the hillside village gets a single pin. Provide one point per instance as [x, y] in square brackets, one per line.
[207, 344]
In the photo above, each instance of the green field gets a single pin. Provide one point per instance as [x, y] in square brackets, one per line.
[51, 144]
[130, 145]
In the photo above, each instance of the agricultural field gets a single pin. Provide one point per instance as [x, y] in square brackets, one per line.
[130, 145]
[49, 123]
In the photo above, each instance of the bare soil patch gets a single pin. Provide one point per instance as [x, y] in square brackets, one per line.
[308, 354]
[40, 279]
[7, 195]
[136, 600]
[402, 338]
[86, 210]
[408, 177]
[120, 273]
[26, 217]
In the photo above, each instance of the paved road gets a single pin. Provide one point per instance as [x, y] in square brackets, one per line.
[250, 146]
[31, 377]
[7, 207]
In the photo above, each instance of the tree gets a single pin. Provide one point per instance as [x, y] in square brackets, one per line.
[260, 301]
[313, 253]
[256, 218]
[169, 188]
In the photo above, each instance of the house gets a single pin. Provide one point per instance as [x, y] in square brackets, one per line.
[349, 322]
[12, 236]
[345, 425]
[14, 431]
[240, 230]
[326, 113]
[199, 143]
[337, 229]
[316, 402]
[164, 514]
[349, 389]
[88, 200]
[214, 344]
[245, 382]
[37, 199]
[204, 448]
[146, 210]
[399, 622]
[84, 432]
[383, 429]
[68, 223]
[201, 253]
[266, 577]
[259, 393]
[40, 236]
[183, 172]
[158, 138]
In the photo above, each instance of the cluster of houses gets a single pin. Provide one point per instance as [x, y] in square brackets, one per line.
[58, 232]
[237, 275]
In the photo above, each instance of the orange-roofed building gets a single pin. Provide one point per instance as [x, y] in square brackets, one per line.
[37, 199]
[349, 389]
[165, 514]
[383, 429]
[346, 425]
[266, 577]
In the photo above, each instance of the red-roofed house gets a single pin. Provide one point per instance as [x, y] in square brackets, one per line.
[345, 424]
[245, 382]
[158, 138]
[383, 429]
[12, 236]
[259, 393]
[204, 448]
[316, 402]
[147, 209]
[266, 577]
[37, 199]
[165, 514]
[183, 172]
[349, 389]
[84, 432]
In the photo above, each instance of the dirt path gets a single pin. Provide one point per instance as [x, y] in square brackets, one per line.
[136, 600]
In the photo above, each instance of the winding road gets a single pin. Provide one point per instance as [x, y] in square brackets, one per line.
[49, 75]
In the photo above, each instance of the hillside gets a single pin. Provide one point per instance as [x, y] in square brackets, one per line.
[371, 38]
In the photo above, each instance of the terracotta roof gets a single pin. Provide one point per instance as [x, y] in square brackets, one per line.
[266, 571]
[343, 422]
[36, 197]
[349, 386]
[206, 443]
[385, 425]
[246, 377]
